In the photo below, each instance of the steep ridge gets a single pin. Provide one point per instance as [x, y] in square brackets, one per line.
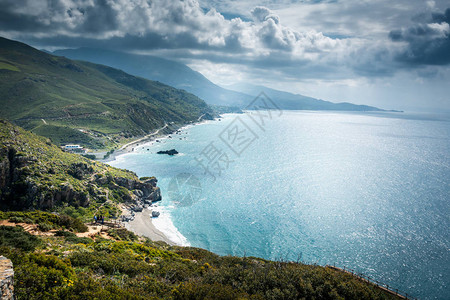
[79, 102]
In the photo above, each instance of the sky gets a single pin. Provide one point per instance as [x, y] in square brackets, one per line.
[390, 54]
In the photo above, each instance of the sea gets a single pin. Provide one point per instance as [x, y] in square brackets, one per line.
[366, 191]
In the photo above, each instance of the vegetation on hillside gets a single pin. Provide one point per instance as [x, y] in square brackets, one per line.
[68, 267]
[46, 221]
[37, 174]
[79, 102]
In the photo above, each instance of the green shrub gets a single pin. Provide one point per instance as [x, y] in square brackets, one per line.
[64, 233]
[122, 234]
[90, 156]
[46, 220]
[17, 237]
[79, 240]
[70, 223]
[40, 276]
[215, 291]
[72, 237]
[45, 227]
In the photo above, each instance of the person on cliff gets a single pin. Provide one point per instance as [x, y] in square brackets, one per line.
[95, 219]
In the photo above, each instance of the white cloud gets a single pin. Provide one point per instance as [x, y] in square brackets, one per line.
[440, 30]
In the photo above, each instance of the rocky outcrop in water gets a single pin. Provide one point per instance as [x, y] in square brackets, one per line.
[168, 152]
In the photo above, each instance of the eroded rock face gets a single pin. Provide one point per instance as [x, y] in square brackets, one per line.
[155, 195]
[80, 170]
[124, 182]
[143, 190]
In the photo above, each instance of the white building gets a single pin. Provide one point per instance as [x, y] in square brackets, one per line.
[74, 148]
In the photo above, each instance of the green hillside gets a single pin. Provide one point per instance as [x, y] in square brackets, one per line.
[79, 102]
[35, 174]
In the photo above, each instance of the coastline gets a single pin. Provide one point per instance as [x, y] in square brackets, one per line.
[129, 147]
[143, 223]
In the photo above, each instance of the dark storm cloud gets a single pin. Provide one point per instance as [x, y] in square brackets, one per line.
[11, 20]
[428, 42]
[51, 17]
[171, 25]
[99, 18]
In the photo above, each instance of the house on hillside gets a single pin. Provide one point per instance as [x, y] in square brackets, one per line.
[74, 148]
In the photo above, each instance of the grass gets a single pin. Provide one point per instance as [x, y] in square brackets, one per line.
[8, 66]
[62, 135]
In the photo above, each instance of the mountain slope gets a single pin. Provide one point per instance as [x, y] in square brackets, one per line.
[286, 100]
[181, 76]
[160, 69]
[35, 174]
[57, 97]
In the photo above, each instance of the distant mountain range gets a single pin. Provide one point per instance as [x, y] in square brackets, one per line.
[285, 100]
[80, 102]
[181, 76]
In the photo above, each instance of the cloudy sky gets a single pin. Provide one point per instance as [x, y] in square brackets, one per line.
[391, 54]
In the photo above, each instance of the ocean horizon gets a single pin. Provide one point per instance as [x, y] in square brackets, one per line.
[365, 191]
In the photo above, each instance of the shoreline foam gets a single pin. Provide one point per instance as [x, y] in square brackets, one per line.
[164, 224]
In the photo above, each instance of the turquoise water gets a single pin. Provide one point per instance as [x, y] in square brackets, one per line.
[368, 192]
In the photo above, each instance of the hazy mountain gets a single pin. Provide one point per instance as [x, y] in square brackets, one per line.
[285, 100]
[79, 102]
[166, 71]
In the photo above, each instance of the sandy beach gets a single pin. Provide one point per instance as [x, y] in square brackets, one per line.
[142, 225]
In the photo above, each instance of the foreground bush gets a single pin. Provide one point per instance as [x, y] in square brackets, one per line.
[61, 268]
[16, 237]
